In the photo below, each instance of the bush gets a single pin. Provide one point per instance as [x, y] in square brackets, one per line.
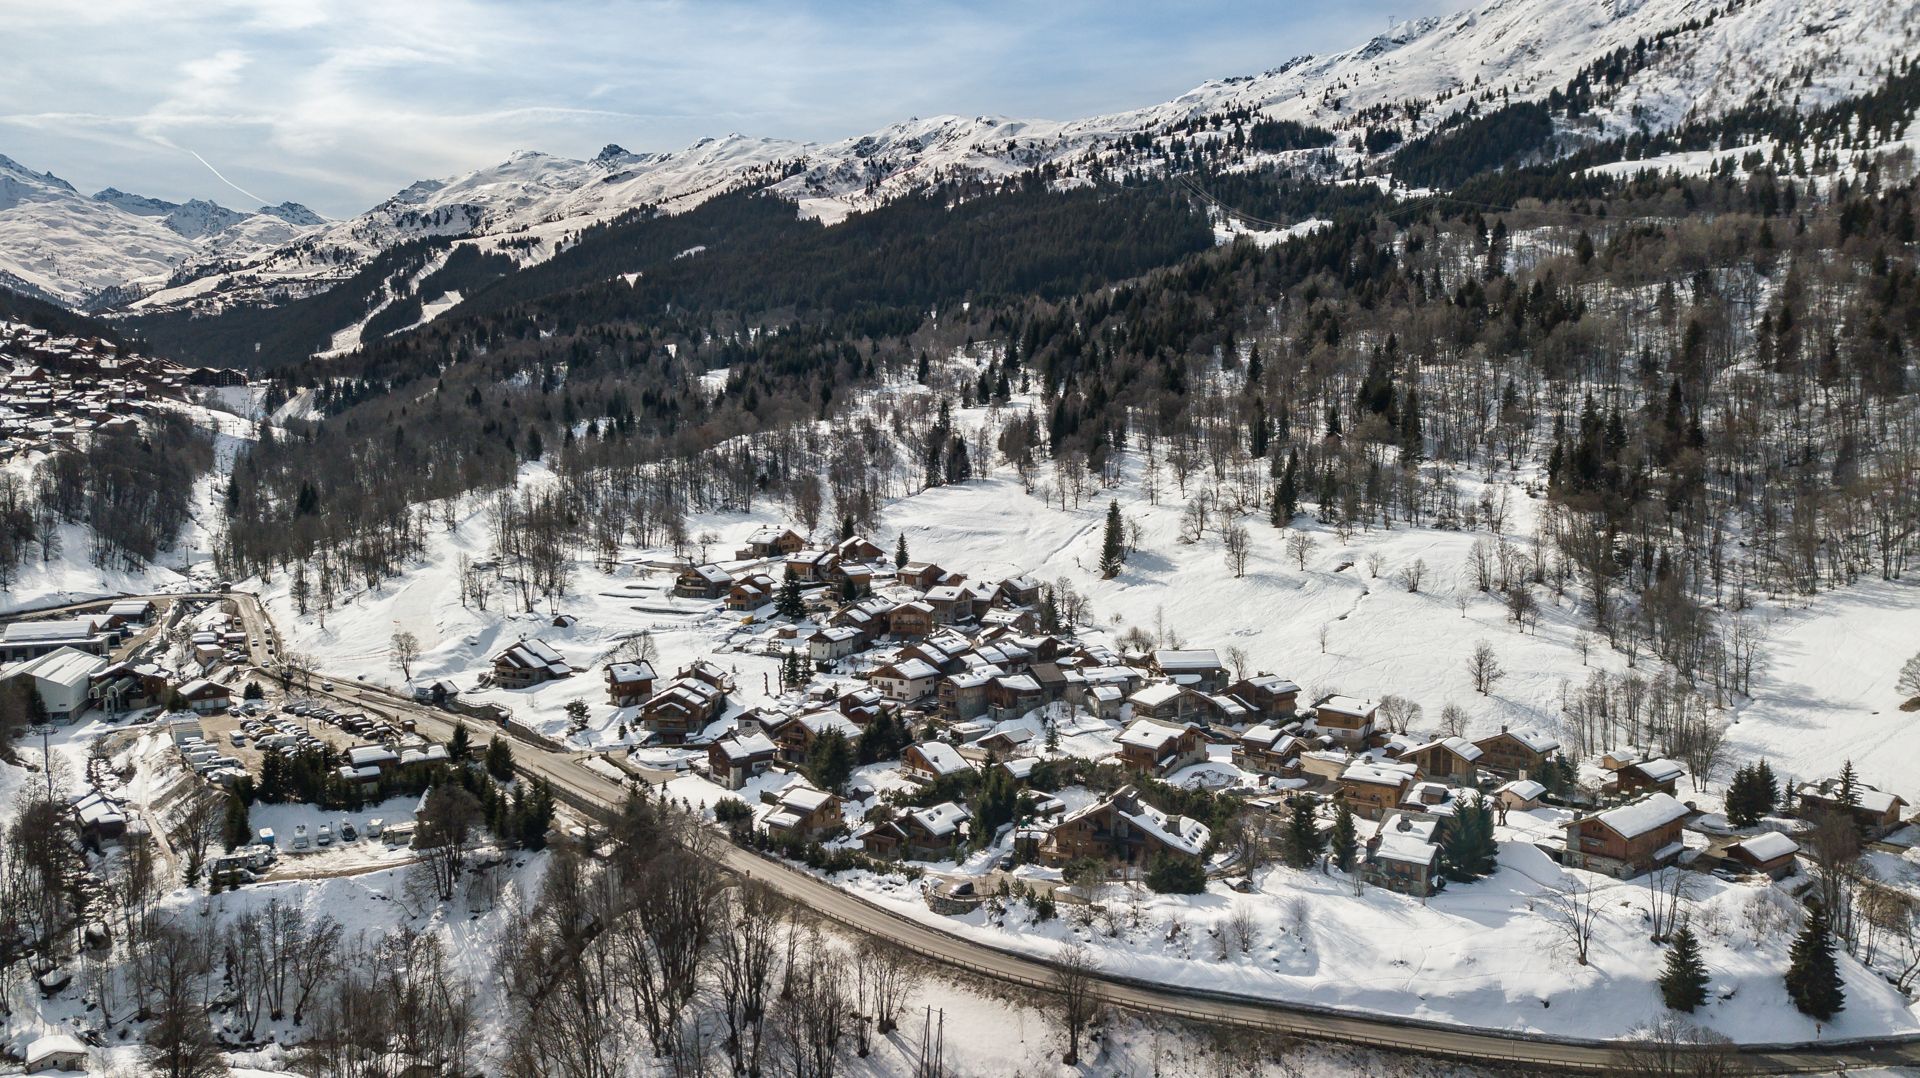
[732, 811]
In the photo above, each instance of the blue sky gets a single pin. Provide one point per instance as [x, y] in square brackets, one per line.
[339, 103]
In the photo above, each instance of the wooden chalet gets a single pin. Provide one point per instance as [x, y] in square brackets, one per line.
[1629, 840]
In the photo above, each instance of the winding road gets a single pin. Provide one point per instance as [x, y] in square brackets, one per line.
[598, 797]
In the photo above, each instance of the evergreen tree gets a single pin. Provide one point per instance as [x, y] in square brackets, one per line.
[900, 551]
[1849, 785]
[830, 761]
[1175, 875]
[1258, 430]
[1049, 612]
[1683, 985]
[238, 829]
[1287, 498]
[1112, 550]
[1344, 843]
[460, 745]
[1769, 786]
[1813, 978]
[499, 758]
[1467, 851]
[1303, 840]
[789, 604]
[1744, 797]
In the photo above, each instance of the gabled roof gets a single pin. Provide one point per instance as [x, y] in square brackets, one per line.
[946, 818]
[631, 671]
[1767, 846]
[1459, 746]
[1151, 734]
[1190, 660]
[1662, 770]
[941, 758]
[910, 669]
[1648, 814]
[745, 746]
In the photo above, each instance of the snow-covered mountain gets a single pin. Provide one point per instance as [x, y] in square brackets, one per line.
[81, 250]
[1715, 54]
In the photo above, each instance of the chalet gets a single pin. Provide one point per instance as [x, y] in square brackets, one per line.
[925, 575]
[934, 833]
[1518, 753]
[1448, 759]
[1268, 750]
[811, 564]
[1404, 856]
[529, 663]
[736, 758]
[1197, 668]
[861, 705]
[931, 761]
[1160, 748]
[964, 695]
[1876, 812]
[684, 707]
[1628, 840]
[1008, 738]
[945, 652]
[771, 542]
[629, 683]
[1770, 852]
[1125, 829]
[858, 548]
[1519, 794]
[751, 592]
[1012, 695]
[1018, 591]
[206, 697]
[1431, 799]
[121, 686]
[853, 579]
[1009, 619]
[1054, 681]
[64, 678]
[905, 681]
[702, 582]
[910, 620]
[704, 671]
[951, 604]
[1661, 775]
[801, 810]
[1225, 709]
[1166, 701]
[1344, 719]
[1267, 696]
[833, 643]
[1373, 791]
[102, 818]
[796, 738]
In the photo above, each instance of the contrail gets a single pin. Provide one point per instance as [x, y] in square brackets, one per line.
[216, 175]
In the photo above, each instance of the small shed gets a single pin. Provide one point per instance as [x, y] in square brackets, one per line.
[1770, 852]
[56, 1052]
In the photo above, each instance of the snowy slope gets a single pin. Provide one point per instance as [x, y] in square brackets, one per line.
[1811, 51]
[70, 247]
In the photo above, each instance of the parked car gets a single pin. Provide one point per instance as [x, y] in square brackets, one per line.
[325, 837]
[374, 826]
[300, 836]
[347, 832]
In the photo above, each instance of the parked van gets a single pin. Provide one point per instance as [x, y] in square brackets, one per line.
[326, 834]
[300, 836]
[374, 827]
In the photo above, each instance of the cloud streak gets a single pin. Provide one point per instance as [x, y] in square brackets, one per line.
[338, 103]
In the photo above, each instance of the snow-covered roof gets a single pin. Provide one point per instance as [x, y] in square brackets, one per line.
[712, 574]
[66, 666]
[1662, 770]
[1347, 705]
[1459, 746]
[941, 758]
[1378, 774]
[1273, 683]
[1151, 734]
[1526, 789]
[910, 669]
[631, 671]
[1767, 846]
[1405, 839]
[29, 632]
[370, 755]
[1154, 695]
[203, 687]
[941, 820]
[1644, 815]
[53, 1044]
[1190, 660]
[1532, 739]
[804, 797]
[747, 746]
[1018, 683]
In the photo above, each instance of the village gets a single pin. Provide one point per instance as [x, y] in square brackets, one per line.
[56, 392]
[924, 716]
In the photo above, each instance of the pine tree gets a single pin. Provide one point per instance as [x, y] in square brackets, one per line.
[900, 552]
[460, 745]
[1813, 978]
[1344, 843]
[238, 828]
[1468, 850]
[1112, 551]
[1769, 793]
[789, 604]
[1049, 612]
[1303, 841]
[1743, 797]
[1287, 498]
[1683, 985]
[1849, 785]
[830, 761]
[499, 758]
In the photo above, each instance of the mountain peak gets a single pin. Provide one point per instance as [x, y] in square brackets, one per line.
[138, 205]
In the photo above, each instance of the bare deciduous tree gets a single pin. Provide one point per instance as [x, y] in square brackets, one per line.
[1073, 982]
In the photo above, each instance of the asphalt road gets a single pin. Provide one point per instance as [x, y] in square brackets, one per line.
[597, 796]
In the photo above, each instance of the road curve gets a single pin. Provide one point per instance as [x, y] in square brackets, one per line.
[598, 796]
